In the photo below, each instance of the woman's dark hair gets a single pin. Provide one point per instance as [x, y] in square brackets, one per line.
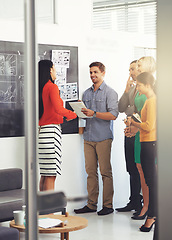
[44, 67]
[147, 78]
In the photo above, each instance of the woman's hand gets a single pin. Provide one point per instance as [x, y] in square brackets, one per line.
[135, 124]
[133, 130]
[68, 120]
[130, 131]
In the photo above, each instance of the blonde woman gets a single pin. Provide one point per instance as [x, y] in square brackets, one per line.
[146, 64]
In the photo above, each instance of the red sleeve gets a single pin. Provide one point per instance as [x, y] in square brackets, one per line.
[57, 102]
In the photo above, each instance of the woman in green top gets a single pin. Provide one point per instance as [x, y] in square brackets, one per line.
[144, 64]
[139, 102]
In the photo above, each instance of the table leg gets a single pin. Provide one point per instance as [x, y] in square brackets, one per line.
[62, 236]
[65, 236]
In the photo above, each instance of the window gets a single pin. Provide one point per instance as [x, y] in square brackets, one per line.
[127, 16]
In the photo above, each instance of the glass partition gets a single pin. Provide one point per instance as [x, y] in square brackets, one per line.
[16, 12]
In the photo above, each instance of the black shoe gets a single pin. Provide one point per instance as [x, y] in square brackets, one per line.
[85, 209]
[147, 229]
[138, 210]
[127, 208]
[136, 213]
[105, 211]
[137, 217]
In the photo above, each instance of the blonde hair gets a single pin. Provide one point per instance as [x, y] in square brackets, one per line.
[149, 64]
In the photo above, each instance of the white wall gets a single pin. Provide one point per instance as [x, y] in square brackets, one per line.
[74, 28]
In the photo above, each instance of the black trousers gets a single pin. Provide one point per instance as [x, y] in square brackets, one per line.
[148, 158]
[131, 167]
[155, 235]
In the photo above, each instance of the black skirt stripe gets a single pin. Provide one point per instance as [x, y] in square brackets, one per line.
[47, 163]
[59, 141]
[58, 148]
[46, 143]
[59, 167]
[58, 154]
[51, 127]
[46, 153]
[49, 158]
[45, 148]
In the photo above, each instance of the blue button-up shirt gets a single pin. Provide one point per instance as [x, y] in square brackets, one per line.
[104, 99]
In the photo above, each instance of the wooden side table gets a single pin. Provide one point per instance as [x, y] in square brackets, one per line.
[73, 223]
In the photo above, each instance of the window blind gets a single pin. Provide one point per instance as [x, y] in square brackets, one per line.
[129, 16]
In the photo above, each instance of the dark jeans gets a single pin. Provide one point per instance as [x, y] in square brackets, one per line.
[135, 186]
[148, 156]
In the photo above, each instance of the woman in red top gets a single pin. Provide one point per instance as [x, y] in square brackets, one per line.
[51, 113]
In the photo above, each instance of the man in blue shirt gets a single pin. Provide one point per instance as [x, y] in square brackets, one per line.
[101, 103]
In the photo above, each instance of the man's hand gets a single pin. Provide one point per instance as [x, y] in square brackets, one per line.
[127, 131]
[101, 115]
[87, 112]
[130, 82]
[127, 121]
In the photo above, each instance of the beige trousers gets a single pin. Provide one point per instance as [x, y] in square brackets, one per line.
[99, 154]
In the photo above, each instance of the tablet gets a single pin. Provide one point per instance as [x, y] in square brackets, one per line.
[77, 106]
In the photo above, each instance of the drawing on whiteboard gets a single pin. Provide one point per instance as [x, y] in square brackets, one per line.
[8, 64]
[21, 87]
[8, 92]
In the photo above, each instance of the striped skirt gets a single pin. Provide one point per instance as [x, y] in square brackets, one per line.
[49, 151]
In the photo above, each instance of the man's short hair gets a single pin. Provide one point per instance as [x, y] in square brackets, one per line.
[100, 65]
[135, 61]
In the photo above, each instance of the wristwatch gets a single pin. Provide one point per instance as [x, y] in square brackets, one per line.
[94, 115]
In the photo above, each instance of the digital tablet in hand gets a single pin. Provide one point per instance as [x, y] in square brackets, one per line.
[136, 117]
[77, 106]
